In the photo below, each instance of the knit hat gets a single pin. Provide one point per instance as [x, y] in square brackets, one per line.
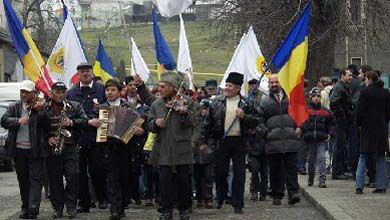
[315, 91]
[176, 79]
[235, 78]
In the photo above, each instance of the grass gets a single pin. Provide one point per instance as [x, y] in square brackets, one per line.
[207, 55]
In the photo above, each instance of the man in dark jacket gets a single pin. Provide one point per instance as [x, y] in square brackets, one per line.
[281, 144]
[223, 132]
[27, 144]
[373, 115]
[67, 121]
[89, 94]
[342, 109]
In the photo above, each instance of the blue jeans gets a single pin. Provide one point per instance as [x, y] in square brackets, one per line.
[380, 178]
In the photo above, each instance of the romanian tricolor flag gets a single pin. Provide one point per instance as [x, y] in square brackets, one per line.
[163, 53]
[290, 61]
[33, 65]
[103, 67]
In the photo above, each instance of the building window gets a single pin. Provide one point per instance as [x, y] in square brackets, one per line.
[357, 61]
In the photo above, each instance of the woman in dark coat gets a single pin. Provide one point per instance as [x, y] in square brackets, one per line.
[373, 115]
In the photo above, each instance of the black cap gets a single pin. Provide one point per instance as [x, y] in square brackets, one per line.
[211, 83]
[235, 78]
[84, 65]
[58, 86]
[253, 82]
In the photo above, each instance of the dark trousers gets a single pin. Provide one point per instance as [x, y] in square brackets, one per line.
[283, 170]
[345, 149]
[258, 166]
[64, 165]
[117, 166]
[151, 182]
[232, 148]
[91, 163]
[30, 173]
[174, 183]
[204, 176]
[135, 166]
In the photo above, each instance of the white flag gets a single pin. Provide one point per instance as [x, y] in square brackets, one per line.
[184, 62]
[138, 65]
[169, 8]
[66, 55]
[248, 60]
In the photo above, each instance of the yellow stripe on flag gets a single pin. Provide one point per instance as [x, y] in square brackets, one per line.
[291, 73]
[32, 61]
[98, 71]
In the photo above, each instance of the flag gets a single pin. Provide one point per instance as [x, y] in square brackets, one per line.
[184, 62]
[30, 57]
[290, 62]
[64, 10]
[66, 55]
[247, 60]
[138, 65]
[169, 8]
[103, 67]
[163, 53]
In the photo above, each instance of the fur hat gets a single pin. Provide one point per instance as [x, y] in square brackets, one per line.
[235, 78]
[176, 79]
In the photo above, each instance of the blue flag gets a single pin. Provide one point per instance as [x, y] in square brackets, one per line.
[103, 67]
[163, 53]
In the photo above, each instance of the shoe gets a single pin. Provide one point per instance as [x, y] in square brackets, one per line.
[339, 177]
[102, 205]
[208, 205]
[379, 191]
[184, 215]
[72, 213]
[254, 196]
[115, 216]
[138, 202]
[82, 210]
[219, 205]
[24, 215]
[166, 216]
[294, 199]
[359, 191]
[276, 202]
[228, 200]
[149, 202]
[310, 182]
[57, 214]
[93, 205]
[238, 211]
[33, 213]
[322, 185]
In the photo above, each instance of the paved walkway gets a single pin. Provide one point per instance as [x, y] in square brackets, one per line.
[340, 202]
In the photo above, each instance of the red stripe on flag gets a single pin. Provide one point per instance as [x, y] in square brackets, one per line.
[297, 107]
[44, 82]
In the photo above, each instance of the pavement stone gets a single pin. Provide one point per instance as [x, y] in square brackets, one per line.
[339, 201]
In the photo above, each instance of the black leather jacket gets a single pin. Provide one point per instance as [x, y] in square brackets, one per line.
[341, 101]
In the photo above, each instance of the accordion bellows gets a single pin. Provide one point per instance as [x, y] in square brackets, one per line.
[117, 122]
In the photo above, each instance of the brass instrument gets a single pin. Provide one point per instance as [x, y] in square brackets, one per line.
[117, 122]
[62, 133]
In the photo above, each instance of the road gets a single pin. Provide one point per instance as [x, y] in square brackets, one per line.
[10, 207]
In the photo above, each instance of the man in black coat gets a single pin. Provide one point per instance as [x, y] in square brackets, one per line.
[89, 94]
[342, 108]
[373, 115]
[27, 145]
[223, 132]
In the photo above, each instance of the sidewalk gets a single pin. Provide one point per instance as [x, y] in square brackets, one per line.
[340, 202]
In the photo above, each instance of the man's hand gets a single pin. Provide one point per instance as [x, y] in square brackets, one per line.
[203, 149]
[67, 122]
[23, 120]
[240, 113]
[139, 131]
[53, 141]
[94, 122]
[160, 122]
[298, 131]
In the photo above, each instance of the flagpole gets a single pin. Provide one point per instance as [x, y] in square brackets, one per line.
[125, 27]
[40, 69]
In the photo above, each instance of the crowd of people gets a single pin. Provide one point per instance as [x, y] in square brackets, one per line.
[191, 140]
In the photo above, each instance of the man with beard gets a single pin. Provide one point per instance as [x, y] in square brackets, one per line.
[223, 132]
[281, 143]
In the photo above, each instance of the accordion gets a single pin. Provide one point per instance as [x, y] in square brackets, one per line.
[117, 122]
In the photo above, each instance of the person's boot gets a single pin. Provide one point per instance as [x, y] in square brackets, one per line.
[166, 216]
[254, 196]
[24, 214]
[359, 191]
[33, 213]
[57, 214]
[294, 199]
[72, 213]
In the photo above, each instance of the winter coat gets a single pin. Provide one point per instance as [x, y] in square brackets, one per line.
[317, 127]
[279, 126]
[373, 115]
[341, 101]
[213, 128]
[173, 144]
[39, 125]
[96, 92]
[255, 141]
